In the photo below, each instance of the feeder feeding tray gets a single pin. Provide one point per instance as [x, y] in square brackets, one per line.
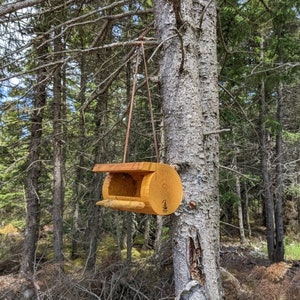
[143, 187]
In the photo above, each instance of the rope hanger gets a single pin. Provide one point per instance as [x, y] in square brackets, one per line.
[140, 49]
[140, 187]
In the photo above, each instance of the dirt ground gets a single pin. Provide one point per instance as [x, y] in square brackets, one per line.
[246, 274]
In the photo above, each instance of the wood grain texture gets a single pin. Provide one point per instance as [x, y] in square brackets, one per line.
[143, 187]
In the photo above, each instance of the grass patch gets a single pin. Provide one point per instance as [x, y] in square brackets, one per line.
[292, 251]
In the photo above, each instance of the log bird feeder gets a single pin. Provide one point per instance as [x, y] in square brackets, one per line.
[142, 187]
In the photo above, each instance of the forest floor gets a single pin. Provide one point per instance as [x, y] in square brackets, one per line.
[246, 274]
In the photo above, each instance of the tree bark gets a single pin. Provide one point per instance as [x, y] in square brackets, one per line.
[238, 193]
[34, 164]
[147, 232]
[58, 160]
[188, 79]
[278, 254]
[240, 210]
[266, 170]
[80, 172]
[93, 226]
[93, 211]
[158, 235]
[247, 210]
[129, 224]
[101, 155]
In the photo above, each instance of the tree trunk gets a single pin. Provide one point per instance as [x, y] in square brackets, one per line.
[247, 210]
[278, 254]
[58, 160]
[238, 193]
[129, 224]
[158, 235]
[93, 227]
[240, 210]
[190, 105]
[101, 155]
[34, 163]
[147, 232]
[80, 172]
[266, 169]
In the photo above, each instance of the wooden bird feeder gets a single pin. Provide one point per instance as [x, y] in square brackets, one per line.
[143, 187]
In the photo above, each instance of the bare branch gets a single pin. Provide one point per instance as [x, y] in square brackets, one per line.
[287, 65]
[217, 131]
[54, 63]
[231, 225]
[235, 171]
[12, 7]
[79, 21]
[240, 108]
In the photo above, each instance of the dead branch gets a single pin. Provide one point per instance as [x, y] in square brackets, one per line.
[12, 7]
[235, 171]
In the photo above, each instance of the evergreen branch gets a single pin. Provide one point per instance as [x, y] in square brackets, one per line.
[240, 108]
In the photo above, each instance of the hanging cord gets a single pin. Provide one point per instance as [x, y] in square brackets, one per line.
[131, 105]
[150, 105]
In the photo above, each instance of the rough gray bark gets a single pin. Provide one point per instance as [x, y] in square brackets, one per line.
[158, 235]
[188, 77]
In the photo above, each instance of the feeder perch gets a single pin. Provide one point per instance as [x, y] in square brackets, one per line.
[143, 187]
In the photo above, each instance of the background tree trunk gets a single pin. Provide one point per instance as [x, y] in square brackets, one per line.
[34, 163]
[266, 173]
[58, 160]
[247, 209]
[279, 245]
[240, 209]
[129, 224]
[147, 232]
[190, 105]
[238, 193]
[93, 211]
[79, 188]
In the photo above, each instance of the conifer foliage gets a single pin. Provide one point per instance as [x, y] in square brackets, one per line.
[223, 77]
